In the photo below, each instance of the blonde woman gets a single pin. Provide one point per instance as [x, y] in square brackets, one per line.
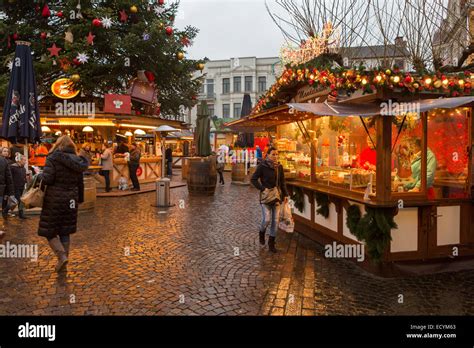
[63, 176]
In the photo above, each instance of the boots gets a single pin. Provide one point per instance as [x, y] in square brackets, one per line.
[21, 214]
[262, 237]
[58, 249]
[66, 247]
[271, 244]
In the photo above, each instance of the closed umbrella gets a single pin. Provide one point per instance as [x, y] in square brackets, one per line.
[203, 130]
[246, 140]
[21, 118]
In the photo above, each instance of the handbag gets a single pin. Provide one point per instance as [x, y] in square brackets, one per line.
[34, 196]
[271, 196]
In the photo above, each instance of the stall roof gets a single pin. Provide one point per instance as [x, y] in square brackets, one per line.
[301, 111]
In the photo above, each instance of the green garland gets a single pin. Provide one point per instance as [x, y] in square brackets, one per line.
[298, 198]
[374, 228]
[323, 203]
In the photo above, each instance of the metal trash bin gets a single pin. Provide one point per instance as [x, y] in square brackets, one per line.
[163, 192]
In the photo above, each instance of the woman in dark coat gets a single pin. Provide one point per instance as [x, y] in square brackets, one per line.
[63, 177]
[269, 174]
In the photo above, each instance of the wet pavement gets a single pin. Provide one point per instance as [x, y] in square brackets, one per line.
[202, 257]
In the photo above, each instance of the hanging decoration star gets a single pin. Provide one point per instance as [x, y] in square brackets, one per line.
[65, 64]
[82, 58]
[106, 22]
[159, 10]
[68, 36]
[10, 65]
[90, 38]
[123, 16]
[146, 36]
[54, 50]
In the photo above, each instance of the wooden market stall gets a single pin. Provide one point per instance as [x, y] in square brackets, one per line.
[388, 170]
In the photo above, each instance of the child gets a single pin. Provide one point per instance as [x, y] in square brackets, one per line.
[123, 184]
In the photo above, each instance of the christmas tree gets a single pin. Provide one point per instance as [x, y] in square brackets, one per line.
[101, 45]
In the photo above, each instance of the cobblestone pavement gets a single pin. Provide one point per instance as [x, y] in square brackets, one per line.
[203, 258]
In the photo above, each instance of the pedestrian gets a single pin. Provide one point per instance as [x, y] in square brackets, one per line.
[86, 152]
[220, 165]
[19, 176]
[6, 184]
[5, 153]
[63, 178]
[107, 162]
[40, 155]
[133, 164]
[258, 153]
[169, 161]
[269, 178]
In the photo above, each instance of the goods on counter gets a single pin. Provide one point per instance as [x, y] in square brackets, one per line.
[286, 145]
[361, 177]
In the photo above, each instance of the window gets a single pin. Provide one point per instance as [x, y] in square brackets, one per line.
[201, 89]
[211, 109]
[248, 84]
[237, 84]
[226, 110]
[237, 110]
[262, 83]
[210, 87]
[225, 86]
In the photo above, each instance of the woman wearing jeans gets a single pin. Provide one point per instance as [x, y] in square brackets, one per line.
[264, 178]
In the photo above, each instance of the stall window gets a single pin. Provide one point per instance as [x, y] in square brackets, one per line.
[294, 150]
[408, 153]
[448, 141]
[345, 155]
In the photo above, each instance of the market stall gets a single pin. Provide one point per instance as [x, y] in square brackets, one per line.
[387, 170]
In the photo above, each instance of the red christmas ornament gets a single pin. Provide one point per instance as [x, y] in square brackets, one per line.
[169, 31]
[76, 61]
[185, 41]
[60, 14]
[46, 12]
[333, 86]
[408, 79]
[43, 35]
[161, 2]
[96, 22]
[15, 36]
[150, 76]
[123, 16]
[37, 8]
[90, 38]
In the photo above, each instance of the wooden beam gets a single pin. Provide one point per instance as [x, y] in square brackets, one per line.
[384, 158]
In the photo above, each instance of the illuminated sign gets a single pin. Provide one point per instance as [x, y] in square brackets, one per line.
[62, 88]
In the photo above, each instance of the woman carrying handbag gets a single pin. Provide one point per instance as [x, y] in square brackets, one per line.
[63, 178]
[269, 178]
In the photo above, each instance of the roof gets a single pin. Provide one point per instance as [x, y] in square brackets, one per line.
[379, 51]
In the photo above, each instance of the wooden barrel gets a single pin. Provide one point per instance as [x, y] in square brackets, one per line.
[238, 172]
[184, 168]
[90, 193]
[202, 176]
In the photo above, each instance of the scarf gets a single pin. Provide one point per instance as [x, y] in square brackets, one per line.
[271, 164]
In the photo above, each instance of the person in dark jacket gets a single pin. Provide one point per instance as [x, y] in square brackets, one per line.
[6, 183]
[169, 161]
[18, 171]
[63, 177]
[264, 178]
[133, 166]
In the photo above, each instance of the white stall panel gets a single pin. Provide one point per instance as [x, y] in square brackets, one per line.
[405, 237]
[307, 209]
[449, 225]
[345, 229]
[331, 221]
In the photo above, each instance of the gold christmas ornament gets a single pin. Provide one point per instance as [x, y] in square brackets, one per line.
[437, 83]
[180, 55]
[201, 66]
[133, 9]
[75, 77]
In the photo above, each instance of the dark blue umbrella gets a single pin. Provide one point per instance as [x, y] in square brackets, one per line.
[245, 139]
[21, 118]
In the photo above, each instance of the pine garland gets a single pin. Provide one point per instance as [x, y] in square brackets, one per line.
[374, 228]
[298, 198]
[323, 203]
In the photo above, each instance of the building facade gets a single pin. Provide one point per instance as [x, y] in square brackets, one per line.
[226, 81]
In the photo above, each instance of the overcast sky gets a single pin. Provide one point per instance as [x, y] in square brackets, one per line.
[230, 28]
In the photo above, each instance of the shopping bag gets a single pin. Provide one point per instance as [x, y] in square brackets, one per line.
[34, 196]
[287, 223]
